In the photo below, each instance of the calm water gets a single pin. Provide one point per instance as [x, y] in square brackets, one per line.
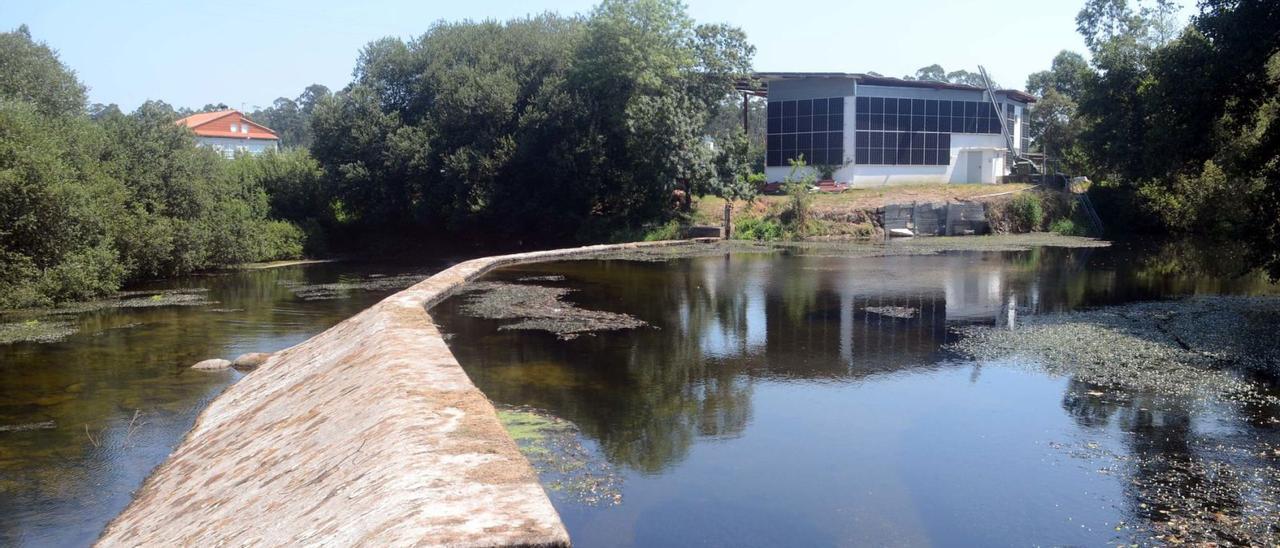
[61, 482]
[766, 407]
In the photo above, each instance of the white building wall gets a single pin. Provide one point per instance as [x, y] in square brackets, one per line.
[228, 146]
[986, 149]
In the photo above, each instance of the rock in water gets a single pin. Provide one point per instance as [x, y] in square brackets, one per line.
[212, 365]
[251, 360]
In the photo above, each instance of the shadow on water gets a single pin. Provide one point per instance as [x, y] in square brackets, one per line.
[808, 399]
[83, 420]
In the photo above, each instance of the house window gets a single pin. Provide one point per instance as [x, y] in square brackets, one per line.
[234, 127]
[244, 127]
[812, 128]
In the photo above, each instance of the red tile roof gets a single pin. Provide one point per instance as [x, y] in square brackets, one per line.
[218, 124]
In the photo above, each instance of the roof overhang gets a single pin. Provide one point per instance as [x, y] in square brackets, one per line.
[871, 80]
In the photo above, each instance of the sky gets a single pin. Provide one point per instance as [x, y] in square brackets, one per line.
[246, 54]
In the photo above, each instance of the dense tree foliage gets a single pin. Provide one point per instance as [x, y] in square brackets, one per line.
[89, 202]
[1176, 125]
[291, 118]
[935, 73]
[540, 128]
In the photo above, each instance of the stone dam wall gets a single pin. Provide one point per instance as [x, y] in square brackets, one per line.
[369, 433]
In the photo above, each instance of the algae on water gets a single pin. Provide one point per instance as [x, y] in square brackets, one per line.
[536, 307]
[1194, 348]
[36, 330]
[566, 466]
[340, 289]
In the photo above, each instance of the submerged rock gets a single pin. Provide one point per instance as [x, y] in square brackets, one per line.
[212, 365]
[250, 360]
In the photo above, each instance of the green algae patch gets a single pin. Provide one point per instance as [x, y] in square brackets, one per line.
[568, 466]
[36, 330]
[531, 431]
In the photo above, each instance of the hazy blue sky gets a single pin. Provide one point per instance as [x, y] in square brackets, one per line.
[248, 53]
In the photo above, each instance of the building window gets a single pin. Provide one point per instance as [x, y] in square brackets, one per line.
[244, 127]
[234, 127]
[812, 128]
[1025, 127]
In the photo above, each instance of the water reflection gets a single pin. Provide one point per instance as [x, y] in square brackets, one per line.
[694, 408]
[112, 400]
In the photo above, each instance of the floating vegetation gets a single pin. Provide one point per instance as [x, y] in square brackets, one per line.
[56, 324]
[138, 299]
[542, 308]
[938, 244]
[551, 278]
[670, 252]
[36, 330]
[340, 289]
[1192, 348]
[563, 462]
[44, 425]
[1211, 494]
[902, 312]
[850, 248]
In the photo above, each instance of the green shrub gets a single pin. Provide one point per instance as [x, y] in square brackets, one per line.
[1068, 227]
[757, 228]
[670, 231]
[279, 240]
[1025, 212]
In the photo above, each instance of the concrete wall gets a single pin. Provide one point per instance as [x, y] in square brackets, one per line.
[369, 433]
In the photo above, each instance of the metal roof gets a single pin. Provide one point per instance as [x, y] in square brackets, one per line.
[871, 80]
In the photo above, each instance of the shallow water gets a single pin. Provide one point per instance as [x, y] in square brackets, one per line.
[71, 447]
[769, 405]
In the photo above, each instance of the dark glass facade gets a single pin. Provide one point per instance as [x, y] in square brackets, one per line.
[899, 131]
[812, 128]
[888, 130]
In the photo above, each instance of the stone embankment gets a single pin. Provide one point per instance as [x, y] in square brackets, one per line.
[369, 433]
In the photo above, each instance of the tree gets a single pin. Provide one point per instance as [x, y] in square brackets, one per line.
[935, 73]
[30, 71]
[1055, 124]
[541, 128]
[90, 200]
[291, 118]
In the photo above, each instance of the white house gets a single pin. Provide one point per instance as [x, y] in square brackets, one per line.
[229, 131]
[881, 131]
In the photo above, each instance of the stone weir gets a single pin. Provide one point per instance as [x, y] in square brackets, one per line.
[369, 433]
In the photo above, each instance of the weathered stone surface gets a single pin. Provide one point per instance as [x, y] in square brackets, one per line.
[250, 360]
[212, 365]
[367, 434]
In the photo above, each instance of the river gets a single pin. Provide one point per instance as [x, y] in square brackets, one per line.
[85, 418]
[805, 398]
[794, 397]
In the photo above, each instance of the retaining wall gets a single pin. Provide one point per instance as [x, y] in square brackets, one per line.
[369, 433]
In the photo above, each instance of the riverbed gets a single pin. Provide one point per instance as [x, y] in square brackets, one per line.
[816, 395]
[94, 395]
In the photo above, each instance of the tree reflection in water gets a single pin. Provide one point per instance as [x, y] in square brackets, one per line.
[730, 327]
